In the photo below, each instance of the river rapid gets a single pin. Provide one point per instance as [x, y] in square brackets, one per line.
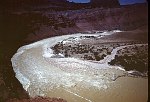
[74, 79]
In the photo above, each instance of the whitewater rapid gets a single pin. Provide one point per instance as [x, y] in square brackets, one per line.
[40, 74]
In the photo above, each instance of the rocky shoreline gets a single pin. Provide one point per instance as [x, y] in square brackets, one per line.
[73, 47]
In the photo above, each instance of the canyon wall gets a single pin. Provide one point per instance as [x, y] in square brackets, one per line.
[99, 19]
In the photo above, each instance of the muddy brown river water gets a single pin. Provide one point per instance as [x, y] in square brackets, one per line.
[73, 79]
